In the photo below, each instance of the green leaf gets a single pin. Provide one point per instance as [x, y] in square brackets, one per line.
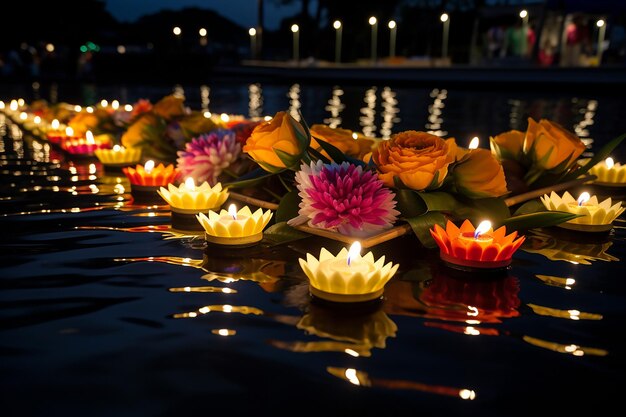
[409, 203]
[540, 219]
[289, 160]
[252, 182]
[335, 154]
[601, 155]
[282, 233]
[439, 201]
[532, 206]
[288, 207]
[476, 210]
[304, 141]
[319, 156]
[422, 224]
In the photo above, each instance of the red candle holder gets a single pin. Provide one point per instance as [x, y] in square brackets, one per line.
[470, 248]
[82, 146]
[146, 179]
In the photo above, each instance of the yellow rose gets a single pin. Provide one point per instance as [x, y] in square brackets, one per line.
[420, 160]
[508, 145]
[341, 139]
[480, 175]
[279, 134]
[550, 146]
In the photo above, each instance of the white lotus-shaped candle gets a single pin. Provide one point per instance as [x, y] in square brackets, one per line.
[347, 277]
[234, 227]
[609, 173]
[593, 213]
[191, 199]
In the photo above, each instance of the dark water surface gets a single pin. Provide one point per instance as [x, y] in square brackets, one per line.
[104, 311]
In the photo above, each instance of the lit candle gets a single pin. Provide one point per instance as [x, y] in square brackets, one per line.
[594, 216]
[118, 157]
[55, 134]
[145, 180]
[81, 146]
[468, 248]
[234, 227]
[347, 277]
[188, 200]
[474, 143]
[609, 173]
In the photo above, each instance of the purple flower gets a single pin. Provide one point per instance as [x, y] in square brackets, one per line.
[344, 198]
[206, 156]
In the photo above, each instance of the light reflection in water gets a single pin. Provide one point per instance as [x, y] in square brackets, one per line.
[434, 125]
[224, 290]
[294, 101]
[335, 107]
[368, 113]
[205, 91]
[570, 349]
[225, 308]
[566, 283]
[564, 314]
[224, 332]
[586, 108]
[362, 378]
[555, 247]
[389, 113]
[255, 103]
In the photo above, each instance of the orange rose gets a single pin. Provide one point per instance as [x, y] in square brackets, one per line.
[550, 146]
[283, 134]
[420, 160]
[480, 175]
[507, 145]
[341, 139]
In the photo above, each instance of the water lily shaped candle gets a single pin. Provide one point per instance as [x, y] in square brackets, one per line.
[146, 179]
[188, 200]
[234, 227]
[470, 248]
[118, 157]
[609, 173]
[347, 277]
[82, 146]
[55, 134]
[595, 216]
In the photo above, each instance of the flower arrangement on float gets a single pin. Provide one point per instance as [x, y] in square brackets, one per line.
[337, 183]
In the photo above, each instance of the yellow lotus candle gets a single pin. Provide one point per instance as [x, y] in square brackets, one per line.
[188, 200]
[234, 227]
[347, 277]
[609, 173]
[595, 216]
[118, 157]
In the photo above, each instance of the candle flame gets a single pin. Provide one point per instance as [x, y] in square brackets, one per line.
[149, 166]
[89, 137]
[224, 117]
[232, 210]
[37, 120]
[23, 116]
[354, 252]
[482, 228]
[128, 107]
[609, 162]
[117, 148]
[115, 104]
[55, 124]
[474, 143]
[355, 136]
[190, 184]
[584, 197]
[69, 131]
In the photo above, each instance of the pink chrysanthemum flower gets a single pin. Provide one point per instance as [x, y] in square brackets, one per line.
[344, 198]
[206, 156]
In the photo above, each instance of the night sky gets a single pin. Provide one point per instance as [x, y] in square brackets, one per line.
[242, 12]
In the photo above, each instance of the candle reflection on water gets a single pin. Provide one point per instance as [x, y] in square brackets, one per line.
[335, 107]
[434, 125]
[368, 113]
